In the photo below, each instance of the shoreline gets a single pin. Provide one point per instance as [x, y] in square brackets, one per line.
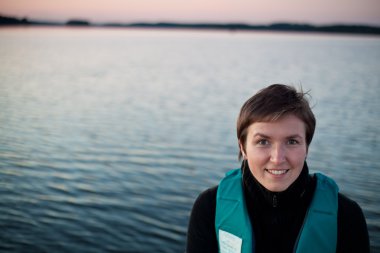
[233, 27]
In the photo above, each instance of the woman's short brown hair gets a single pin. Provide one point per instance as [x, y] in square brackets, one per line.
[272, 103]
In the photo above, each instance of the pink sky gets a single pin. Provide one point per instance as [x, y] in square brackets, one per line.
[248, 11]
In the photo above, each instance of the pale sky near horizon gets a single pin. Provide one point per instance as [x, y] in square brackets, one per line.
[247, 11]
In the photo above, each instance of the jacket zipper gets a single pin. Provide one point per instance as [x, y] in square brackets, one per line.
[275, 201]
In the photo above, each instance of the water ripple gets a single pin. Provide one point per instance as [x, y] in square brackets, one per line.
[108, 155]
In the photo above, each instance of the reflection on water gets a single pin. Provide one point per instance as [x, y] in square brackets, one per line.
[108, 136]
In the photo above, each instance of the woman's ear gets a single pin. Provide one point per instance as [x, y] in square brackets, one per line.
[242, 150]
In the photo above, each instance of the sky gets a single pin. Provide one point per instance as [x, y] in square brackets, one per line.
[317, 12]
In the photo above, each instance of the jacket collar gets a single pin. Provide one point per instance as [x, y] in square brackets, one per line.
[288, 198]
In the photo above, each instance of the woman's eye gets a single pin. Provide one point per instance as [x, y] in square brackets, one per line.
[263, 142]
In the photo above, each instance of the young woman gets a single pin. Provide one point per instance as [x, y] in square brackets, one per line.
[272, 203]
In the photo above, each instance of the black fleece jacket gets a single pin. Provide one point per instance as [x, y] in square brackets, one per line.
[276, 217]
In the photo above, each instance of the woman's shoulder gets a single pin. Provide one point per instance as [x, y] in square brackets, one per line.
[352, 226]
[201, 236]
[206, 201]
[349, 207]
[350, 214]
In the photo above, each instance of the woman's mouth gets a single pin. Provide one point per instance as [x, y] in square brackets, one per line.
[276, 172]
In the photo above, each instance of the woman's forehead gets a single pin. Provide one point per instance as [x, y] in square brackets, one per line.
[285, 126]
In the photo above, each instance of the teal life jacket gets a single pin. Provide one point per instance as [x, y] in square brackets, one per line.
[233, 226]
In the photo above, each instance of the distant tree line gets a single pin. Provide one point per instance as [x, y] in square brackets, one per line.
[13, 21]
[353, 29]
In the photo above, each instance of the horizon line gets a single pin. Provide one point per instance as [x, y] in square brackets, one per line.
[96, 23]
[357, 29]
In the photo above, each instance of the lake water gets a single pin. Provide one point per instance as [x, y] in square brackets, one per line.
[107, 136]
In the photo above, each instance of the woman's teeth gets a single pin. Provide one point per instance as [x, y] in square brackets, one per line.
[277, 172]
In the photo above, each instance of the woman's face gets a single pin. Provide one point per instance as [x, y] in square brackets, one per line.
[276, 151]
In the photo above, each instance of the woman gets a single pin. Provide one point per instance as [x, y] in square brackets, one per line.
[272, 203]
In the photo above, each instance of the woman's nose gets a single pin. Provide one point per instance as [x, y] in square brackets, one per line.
[277, 154]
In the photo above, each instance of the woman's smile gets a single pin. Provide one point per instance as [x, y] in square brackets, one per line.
[276, 172]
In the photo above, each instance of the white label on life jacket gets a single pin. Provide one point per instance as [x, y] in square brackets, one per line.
[229, 243]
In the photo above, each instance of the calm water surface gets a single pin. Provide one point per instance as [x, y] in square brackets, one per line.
[108, 136]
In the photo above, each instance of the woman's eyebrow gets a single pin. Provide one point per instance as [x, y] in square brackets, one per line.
[261, 135]
[294, 136]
